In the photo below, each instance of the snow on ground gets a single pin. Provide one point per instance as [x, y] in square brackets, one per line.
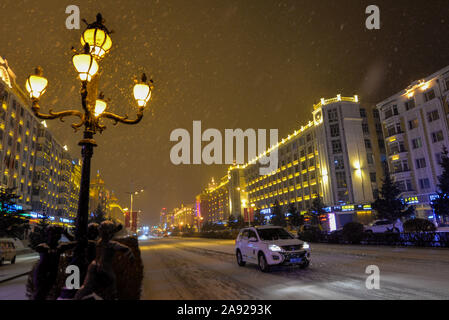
[206, 269]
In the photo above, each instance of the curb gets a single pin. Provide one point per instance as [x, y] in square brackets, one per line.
[14, 277]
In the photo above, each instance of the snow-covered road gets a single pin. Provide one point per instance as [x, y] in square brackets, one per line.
[206, 269]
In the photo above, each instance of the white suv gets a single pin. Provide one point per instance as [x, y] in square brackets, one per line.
[270, 245]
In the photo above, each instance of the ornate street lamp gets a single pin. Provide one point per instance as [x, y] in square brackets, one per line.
[97, 36]
[97, 43]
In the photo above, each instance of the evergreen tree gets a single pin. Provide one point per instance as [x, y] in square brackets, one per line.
[278, 216]
[240, 222]
[441, 204]
[12, 223]
[39, 233]
[99, 215]
[231, 222]
[316, 211]
[259, 218]
[388, 205]
[296, 219]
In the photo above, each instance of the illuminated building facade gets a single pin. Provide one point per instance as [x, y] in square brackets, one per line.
[218, 201]
[52, 188]
[115, 212]
[185, 216]
[33, 161]
[98, 194]
[18, 135]
[415, 127]
[336, 156]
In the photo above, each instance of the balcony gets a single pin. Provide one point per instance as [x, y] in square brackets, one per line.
[391, 133]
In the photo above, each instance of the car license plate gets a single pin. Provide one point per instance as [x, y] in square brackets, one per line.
[295, 260]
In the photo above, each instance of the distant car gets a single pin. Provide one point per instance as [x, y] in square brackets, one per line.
[268, 246]
[380, 226]
[7, 251]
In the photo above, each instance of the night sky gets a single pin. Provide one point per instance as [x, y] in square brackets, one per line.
[231, 64]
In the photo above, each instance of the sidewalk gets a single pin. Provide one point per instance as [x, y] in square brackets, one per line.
[24, 263]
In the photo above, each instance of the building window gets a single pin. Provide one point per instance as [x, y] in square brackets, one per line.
[365, 128]
[446, 82]
[367, 143]
[335, 130]
[409, 104]
[392, 111]
[343, 195]
[429, 95]
[333, 115]
[376, 113]
[372, 176]
[381, 144]
[433, 115]
[437, 136]
[438, 157]
[412, 124]
[341, 179]
[370, 158]
[362, 112]
[336, 146]
[420, 163]
[404, 185]
[417, 143]
[339, 163]
[308, 137]
[424, 183]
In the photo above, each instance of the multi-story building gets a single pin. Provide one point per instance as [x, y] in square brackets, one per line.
[98, 194]
[52, 189]
[18, 135]
[415, 124]
[33, 161]
[75, 183]
[336, 156]
[185, 216]
[218, 201]
[115, 212]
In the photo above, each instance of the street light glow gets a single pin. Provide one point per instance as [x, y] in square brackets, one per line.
[86, 65]
[36, 84]
[100, 107]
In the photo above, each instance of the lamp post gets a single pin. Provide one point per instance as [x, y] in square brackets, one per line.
[96, 43]
[132, 194]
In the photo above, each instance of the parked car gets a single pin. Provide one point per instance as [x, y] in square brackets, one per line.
[380, 226]
[7, 251]
[268, 246]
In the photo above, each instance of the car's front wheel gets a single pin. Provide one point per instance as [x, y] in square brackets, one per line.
[305, 264]
[263, 265]
[239, 257]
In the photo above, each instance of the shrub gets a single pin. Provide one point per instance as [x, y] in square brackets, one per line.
[310, 234]
[419, 225]
[353, 232]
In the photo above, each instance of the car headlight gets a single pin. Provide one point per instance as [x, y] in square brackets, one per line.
[274, 248]
[305, 245]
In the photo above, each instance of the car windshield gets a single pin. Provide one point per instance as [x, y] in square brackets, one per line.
[274, 234]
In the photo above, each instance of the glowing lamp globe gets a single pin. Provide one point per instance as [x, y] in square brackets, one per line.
[99, 41]
[36, 84]
[86, 65]
[97, 36]
[142, 93]
[100, 107]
